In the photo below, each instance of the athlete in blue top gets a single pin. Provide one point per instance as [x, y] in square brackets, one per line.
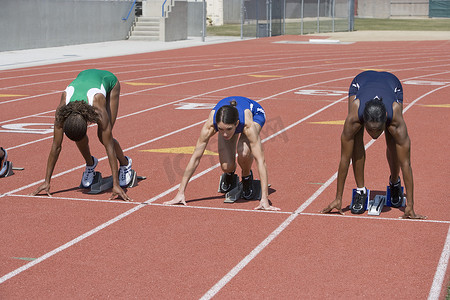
[376, 103]
[93, 97]
[239, 121]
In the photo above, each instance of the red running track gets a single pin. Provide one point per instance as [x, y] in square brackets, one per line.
[76, 245]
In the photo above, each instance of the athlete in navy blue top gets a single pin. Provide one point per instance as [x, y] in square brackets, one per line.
[375, 102]
[239, 121]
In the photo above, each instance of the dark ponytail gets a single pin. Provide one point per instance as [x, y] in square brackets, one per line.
[228, 114]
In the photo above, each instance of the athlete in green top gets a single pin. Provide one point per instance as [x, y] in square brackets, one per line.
[93, 97]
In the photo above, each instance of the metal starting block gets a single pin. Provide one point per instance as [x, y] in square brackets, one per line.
[9, 169]
[376, 205]
[236, 193]
[234, 184]
[100, 184]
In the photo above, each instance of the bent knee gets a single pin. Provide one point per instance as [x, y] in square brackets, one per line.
[228, 167]
[244, 151]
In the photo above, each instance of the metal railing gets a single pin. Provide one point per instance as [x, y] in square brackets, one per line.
[129, 12]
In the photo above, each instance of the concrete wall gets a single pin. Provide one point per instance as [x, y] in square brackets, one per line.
[195, 18]
[27, 24]
[175, 26]
[391, 8]
[153, 8]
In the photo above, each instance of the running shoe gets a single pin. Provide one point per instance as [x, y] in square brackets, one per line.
[396, 194]
[88, 174]
[125, 174]
[227, 182]
[247, 187]
[3, 165]
[358, 206]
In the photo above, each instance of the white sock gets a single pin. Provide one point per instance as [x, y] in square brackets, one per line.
[361, 190]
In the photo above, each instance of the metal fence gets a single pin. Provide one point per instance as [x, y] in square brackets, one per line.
[262, 18]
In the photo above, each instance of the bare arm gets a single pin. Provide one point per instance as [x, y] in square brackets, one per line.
[58, 135]
[206, 133]
[351, 127]
[399, 132]
[252, 131]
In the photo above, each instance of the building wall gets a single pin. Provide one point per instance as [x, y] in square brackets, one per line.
[27, 24]
[392, 8]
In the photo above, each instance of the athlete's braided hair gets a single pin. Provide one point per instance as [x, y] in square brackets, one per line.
[375, 111]
[228, 114]
[74, 118]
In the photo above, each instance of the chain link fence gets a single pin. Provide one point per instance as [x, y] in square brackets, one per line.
[262, 18]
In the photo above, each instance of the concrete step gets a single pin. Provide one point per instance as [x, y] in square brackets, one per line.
[143, 38]
[148, 19]
[146, 28]
[145, 33]
[148, 23]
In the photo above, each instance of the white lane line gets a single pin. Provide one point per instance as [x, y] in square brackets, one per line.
[439, 276]
[75, 199]
[246, 260]
[337, 215]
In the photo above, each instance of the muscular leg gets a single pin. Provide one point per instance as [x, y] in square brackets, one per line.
[227, 153]
[83, 146]
[112, 107]
[112, 101]
[391, 155]
[359, 158]
[119, 153]
[245, 156]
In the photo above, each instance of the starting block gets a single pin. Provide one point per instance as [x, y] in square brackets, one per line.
[388, 197]
[376, 205]
[234, 184]
[100, 184]
[236, 193]
[9, 169]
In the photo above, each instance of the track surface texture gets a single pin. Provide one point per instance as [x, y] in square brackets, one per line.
[78, 245]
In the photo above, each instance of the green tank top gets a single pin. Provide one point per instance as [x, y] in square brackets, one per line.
[89, 83]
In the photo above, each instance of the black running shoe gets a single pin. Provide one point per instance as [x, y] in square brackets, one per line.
[396, 194]
[227, 183]
[247, 187]
[358, 206]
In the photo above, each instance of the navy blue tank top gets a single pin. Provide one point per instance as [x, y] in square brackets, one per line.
[371, 84]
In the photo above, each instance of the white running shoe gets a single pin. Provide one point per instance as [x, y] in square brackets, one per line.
[125, 173]
[4, 165]
[88, 174]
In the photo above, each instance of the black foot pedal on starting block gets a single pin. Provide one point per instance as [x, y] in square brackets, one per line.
[9, 169]
[236, 193]
[234, 184]
[388, 198]
[135, 179]
[99, 184]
